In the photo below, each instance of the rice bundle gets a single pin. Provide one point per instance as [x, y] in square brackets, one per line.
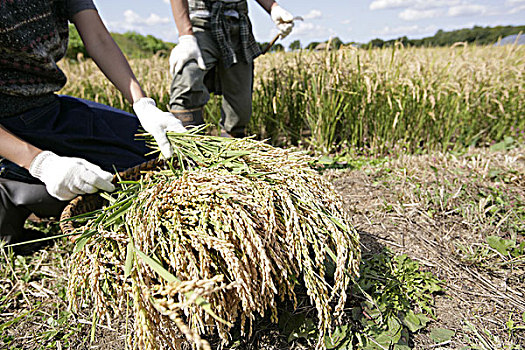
[225, 231]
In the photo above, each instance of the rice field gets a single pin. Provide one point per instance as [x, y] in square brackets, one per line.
[366, 101]
[419, 150]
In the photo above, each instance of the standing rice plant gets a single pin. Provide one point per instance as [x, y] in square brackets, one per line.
[377, 99]
[230, 228]
[431, 98]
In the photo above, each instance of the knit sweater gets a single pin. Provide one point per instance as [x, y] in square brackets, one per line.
[33, 38]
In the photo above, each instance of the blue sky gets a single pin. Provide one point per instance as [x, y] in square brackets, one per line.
[358, 21]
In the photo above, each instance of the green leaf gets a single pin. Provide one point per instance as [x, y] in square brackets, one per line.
[392, 335]
[306, 330]
[82, 241]
[117, 214]
[500, 146]
[394, 326]
[500, 244]
[337, 338]
[509, 140]
[413, 322]
[440, 335]
[157, 267]
[402, 347]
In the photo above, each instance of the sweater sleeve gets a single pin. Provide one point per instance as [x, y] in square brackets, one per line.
[75, 6]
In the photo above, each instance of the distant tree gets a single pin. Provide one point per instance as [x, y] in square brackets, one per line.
[147, 44]
[476, 35]
[312, 45]
[274, 48]
[377, 43]
[263, 45]
[335, 43]
[131, 43]
[277, 48]
[75, 46]
[295, 45]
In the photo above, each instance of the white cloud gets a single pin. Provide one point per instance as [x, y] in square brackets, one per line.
[516, 6]
[407, 30]
[132, 18]
[131, 21]
[517, 9]
[311, 30]
[466, 10]
[166, 1]
[413, 4]
[390, 4]
[313, 14]
[414, 15]
[413, 10]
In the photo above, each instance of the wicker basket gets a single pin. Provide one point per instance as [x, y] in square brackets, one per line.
[90, 202]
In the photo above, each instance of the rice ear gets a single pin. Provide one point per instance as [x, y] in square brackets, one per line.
[222, 238]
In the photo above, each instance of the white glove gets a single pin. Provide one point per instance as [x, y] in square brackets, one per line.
[186, 50]
[157, 122]
[67, 177]
[282, 19]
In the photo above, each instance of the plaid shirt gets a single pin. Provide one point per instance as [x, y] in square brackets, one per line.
[220, 28]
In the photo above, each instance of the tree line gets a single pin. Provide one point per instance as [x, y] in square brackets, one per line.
[476, 36]
[135, 45]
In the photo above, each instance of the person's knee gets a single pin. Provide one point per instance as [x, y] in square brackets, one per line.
[191, 77]
[188, 89]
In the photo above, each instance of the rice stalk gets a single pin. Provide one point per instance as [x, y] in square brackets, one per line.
[222, 234]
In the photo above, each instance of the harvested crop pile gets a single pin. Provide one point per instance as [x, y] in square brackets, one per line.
[222, 233]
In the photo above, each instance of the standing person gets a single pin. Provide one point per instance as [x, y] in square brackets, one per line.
[215, 53]
[53, 148]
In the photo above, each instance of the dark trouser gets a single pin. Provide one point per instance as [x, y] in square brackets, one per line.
[190, 89]
[17, 201]
[69, 127]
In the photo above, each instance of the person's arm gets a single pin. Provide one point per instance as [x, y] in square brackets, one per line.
[267, 5]
[16, 150]
[111, 61]
[188, 47]
[181, 14]
[106, 54]
[64, 177]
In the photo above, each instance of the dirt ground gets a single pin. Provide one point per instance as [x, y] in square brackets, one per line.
[438, 209]
[403, 205]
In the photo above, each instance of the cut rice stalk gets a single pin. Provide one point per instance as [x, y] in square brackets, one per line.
[238, 224]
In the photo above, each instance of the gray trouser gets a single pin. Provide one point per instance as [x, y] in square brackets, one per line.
[17, 201]
[189, 89]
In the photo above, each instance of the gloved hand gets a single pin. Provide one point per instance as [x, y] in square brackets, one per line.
[67, 177]
[282, 19]
[186, 50]
[157, 122]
